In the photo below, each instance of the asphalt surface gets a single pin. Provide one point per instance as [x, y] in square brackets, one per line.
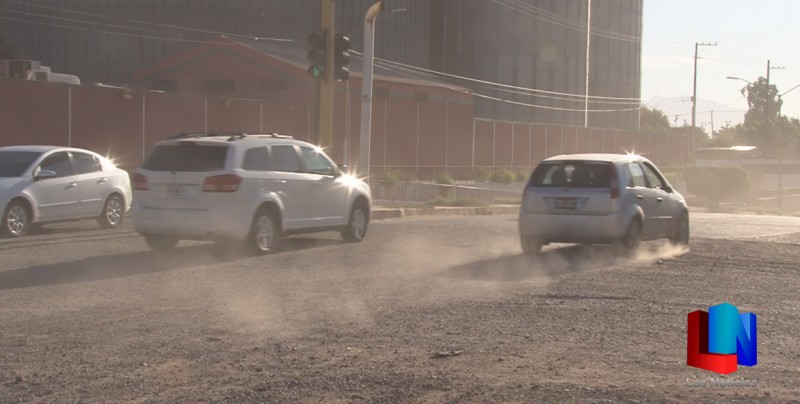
[426, 309]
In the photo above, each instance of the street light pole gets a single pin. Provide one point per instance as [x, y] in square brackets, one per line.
[366, 88]
[691, 142]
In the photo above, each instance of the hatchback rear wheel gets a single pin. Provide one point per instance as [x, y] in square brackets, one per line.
[530, 245]
[632, 238]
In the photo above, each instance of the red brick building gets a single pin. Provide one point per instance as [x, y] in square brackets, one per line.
[252, 86]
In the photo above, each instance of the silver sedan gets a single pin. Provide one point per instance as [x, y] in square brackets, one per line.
[40, 184]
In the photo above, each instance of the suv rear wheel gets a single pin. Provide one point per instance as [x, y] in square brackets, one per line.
[357, 224]
[264, 233]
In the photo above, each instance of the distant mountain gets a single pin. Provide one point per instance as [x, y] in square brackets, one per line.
[679, 110]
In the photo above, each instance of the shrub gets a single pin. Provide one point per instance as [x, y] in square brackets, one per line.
[394, 176]
[504, 176]
[461, 202]
[482, 174]
[523, 174]
[717, 183]
[443, 178]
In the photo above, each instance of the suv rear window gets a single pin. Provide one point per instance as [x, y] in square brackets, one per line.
[186, 157]
[579, 174]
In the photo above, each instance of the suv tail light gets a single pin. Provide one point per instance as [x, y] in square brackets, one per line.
[222, 183]
[140, 182]
[614, 183]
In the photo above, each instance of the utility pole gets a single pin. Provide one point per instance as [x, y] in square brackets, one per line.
[328, 85]
[692, 138]
[366, 88]
[778, 134]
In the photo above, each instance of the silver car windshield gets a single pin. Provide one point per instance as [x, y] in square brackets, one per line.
[14, 163]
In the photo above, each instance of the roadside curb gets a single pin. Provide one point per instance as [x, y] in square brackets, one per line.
[380, 213]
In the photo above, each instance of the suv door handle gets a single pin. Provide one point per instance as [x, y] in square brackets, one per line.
[281, 181]
[72, 185]
[640, 197]
[102, 180]
[660, 199]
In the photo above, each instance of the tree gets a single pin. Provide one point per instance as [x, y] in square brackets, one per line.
[764, 105]
[763, 125]
[652, 120]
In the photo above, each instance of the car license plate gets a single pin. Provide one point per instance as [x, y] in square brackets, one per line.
[565, 203]
[176, 191]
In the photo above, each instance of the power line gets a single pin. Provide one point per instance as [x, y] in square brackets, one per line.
[538, 13]
[508, 86]
[400, 70]
[175, 27]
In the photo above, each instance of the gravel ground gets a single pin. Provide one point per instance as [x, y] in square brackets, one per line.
[423, 311]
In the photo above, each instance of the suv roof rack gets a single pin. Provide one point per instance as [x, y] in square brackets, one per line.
[231, 135]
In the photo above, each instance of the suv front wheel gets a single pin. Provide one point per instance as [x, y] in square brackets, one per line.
[357, 224]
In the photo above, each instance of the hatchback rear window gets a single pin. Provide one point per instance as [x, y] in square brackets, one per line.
[186, 157]
[14, 163]
[579, 174]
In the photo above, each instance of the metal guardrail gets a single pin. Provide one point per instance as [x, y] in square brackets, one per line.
[424, 191]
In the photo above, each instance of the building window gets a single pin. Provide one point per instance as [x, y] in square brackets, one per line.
[271, 85]
[220, 85]
[165, 85]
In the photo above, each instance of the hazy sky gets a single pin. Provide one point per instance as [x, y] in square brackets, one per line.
[747, 32]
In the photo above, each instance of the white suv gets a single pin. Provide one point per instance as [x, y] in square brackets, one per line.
[254, 188]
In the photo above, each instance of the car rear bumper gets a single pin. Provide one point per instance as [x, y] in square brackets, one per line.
[566, 228]
[205, 224]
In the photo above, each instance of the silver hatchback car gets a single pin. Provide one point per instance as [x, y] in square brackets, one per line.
[600, 199]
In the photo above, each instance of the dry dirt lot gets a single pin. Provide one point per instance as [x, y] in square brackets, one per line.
[425, 310]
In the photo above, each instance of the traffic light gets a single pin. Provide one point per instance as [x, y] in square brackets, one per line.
[341, 57]
[318, 44]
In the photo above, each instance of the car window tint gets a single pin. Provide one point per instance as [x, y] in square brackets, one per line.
[58, 163]
[186, 156]
[637, 176]
[256, 159]
[316, 162]
[14, 163]
[653, 178]
[284, 158]
[85, 163]
[572, 174]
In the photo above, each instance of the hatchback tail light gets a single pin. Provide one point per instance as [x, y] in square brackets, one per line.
[222, 183]
[140, 182]
[614, 183]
